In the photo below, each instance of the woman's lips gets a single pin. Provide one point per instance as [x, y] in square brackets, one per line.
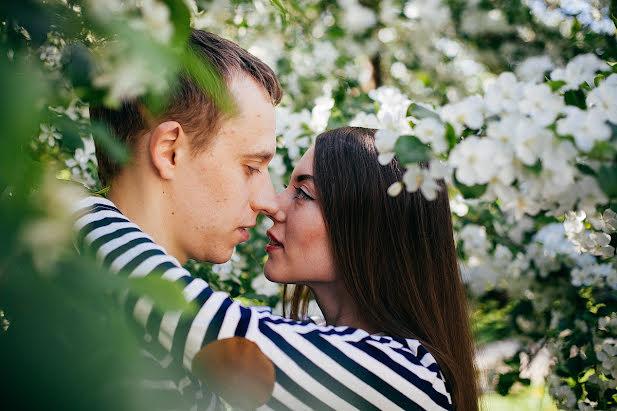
[274, 243]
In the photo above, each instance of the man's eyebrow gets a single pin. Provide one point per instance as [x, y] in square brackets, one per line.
[303, 177]
[264, 155]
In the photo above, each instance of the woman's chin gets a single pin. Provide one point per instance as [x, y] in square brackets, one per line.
[273, 273]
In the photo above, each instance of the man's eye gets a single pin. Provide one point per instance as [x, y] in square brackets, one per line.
[252, 170]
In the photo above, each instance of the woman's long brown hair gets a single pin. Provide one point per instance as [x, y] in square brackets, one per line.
[396, 255]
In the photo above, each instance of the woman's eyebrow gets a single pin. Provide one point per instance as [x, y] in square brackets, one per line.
[303, 177]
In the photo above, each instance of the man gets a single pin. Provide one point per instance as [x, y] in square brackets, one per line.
[197, 178]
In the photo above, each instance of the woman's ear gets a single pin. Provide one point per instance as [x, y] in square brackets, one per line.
[165, 141]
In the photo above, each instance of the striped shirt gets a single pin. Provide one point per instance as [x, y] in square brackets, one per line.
[316, 367]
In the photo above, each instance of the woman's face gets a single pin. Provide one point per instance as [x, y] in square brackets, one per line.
[299, 250]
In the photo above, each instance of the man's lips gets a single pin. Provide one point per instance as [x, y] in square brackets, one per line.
[244, 233]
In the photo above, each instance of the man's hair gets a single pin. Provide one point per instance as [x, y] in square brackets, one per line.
[196, 111]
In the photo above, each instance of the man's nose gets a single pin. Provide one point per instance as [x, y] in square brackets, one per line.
[264, 200]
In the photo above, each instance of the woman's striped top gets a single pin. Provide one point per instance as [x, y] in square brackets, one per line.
[316, 367]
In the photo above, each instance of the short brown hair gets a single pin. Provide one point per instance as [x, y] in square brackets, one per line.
[196, 111]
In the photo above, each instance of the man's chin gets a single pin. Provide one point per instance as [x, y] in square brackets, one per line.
[220, 256]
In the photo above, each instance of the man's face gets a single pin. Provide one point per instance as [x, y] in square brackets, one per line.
[219, 191]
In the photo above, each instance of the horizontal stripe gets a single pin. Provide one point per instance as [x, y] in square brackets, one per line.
[317, 367]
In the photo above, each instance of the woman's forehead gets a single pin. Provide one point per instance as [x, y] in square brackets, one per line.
[305, 165]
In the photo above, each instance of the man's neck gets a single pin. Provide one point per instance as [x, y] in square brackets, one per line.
[145, 205]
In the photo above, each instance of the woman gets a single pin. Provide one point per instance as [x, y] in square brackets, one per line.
[382, 264]
[382, 269]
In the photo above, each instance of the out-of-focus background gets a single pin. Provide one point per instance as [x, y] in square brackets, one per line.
[513, 102]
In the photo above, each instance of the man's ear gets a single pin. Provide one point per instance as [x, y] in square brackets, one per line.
[165, 141]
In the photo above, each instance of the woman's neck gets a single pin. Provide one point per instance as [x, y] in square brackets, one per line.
[338, 307]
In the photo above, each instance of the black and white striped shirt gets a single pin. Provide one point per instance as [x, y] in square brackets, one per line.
[317, 367]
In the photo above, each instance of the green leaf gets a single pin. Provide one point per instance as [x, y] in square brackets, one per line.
[474, 191]
[536, 168]
[607, 179]
[583, 378]
[598, 78]
[555, 85]
[421, 112]
[603, 150]
[180, 15]
[585, 169]
[451, 136]
[115, 149]
[409, 150]
[506, 381]
[77, 64]
[166, 295]
[209, 81]
[575, 98]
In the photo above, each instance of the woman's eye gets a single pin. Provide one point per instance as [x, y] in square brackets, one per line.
[301, 194]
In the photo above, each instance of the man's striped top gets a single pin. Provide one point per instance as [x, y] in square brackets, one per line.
[316, 367]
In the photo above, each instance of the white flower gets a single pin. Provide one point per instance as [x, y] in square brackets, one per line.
[263, 286]
[127, 80]
[458, 205]
[432, 131]
[586, 127]
[269, 50]
[393, 107]
[606, 222]
[365, 120]
[531, 141]
[49, 134]
[581, 69]
[321, 113]
[476, 160]
[558, 154]
[541, 103]
[417, 178]
[475, 21]
[105, 9]
[395, 189]
[550, 184]
[467, 113]
[589, 194]
[573, 223]
[533, 69]
[156, 17]
[357, 18]
[291, 126]
[429, 15]
[474, 238]
[385, 140]
[519, 202]
[504, 94]
[83, 155]
[604, 97]
[504, 130]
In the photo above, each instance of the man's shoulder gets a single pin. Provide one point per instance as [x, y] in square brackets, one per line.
[93, 203]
